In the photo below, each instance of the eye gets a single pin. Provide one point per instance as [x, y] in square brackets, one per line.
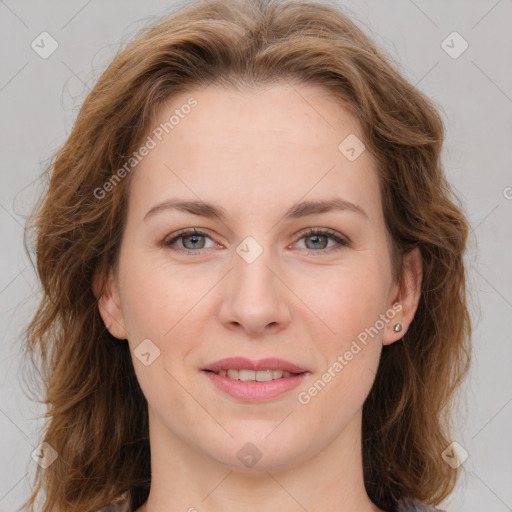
[191, 240]
[317, 240]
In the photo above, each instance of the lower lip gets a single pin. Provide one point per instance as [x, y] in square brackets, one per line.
[255, 391]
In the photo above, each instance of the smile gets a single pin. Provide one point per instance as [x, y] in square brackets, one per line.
[254, 375]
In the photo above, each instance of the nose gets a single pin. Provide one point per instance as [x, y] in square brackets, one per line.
[255, 299]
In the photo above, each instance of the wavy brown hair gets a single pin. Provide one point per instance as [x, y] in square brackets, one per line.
[97, 417]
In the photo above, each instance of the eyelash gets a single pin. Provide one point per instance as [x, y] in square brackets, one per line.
[341, 241]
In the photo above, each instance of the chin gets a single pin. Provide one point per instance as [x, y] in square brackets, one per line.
[260, 451]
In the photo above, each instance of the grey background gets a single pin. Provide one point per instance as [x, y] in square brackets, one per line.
[39, 99]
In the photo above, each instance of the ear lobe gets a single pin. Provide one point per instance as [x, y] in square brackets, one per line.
[109, 304]
[407, 295]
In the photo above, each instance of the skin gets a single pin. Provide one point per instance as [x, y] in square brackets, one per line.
[256, 153]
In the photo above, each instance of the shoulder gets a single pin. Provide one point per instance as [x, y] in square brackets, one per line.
[414, 505]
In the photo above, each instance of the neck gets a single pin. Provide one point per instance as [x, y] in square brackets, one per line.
[184, 479]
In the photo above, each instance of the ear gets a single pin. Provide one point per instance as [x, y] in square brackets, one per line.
[405, 297]
[109, 305]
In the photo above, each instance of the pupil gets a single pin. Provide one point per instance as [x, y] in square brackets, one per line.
[194, 239]
[316, 239]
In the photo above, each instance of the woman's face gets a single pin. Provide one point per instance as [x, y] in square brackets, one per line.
[263, 281]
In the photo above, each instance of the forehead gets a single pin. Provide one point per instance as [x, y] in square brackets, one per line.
[282, 113]
[254, 147]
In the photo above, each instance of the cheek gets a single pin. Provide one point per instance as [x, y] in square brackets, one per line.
[165, 304]
[350, 305]
[346, 299]
[155, 296]
[355, 305]
[158, 305]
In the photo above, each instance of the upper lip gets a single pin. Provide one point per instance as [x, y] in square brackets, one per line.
[269, 363]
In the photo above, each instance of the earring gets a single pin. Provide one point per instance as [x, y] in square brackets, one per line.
[397, 327]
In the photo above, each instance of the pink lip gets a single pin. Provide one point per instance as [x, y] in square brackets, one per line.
[250, 390]
[270, 363]
[255, 391]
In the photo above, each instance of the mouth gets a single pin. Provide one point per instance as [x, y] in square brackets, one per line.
[247, 375]
[254, 381]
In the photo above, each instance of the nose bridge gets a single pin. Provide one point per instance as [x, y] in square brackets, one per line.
[256, 299]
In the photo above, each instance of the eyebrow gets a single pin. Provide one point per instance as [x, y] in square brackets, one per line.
[209, 210]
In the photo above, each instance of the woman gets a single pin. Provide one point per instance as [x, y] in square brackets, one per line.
[252, 263]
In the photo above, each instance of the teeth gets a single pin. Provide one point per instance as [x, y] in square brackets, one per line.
[264, 375]
[258, 376]
[246, 375]
[233, 374]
